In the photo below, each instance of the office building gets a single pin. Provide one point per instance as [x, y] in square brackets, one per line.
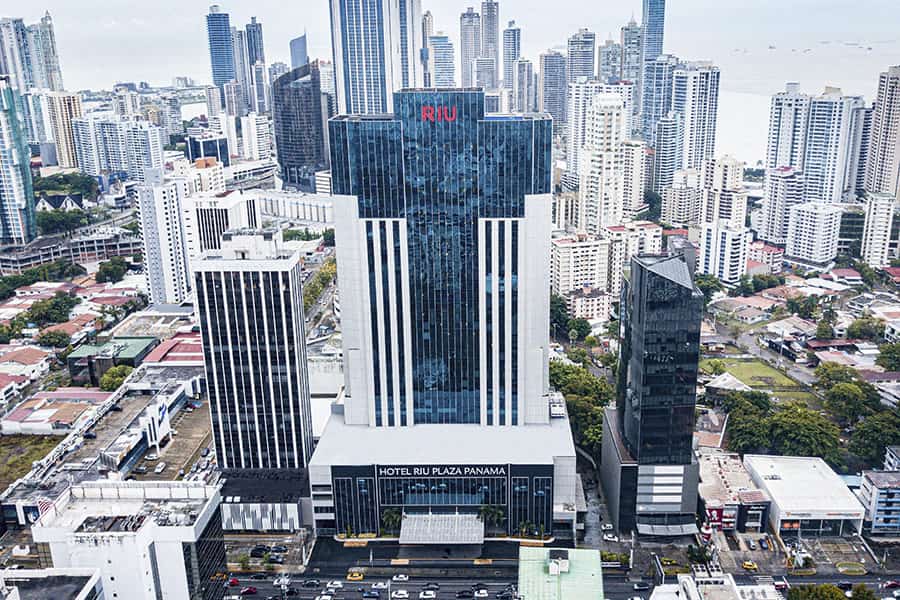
[647, 438]
[667, 151]
[600, 188]
[883, 164]
[880, 495]
[524, 86]
[260, 86]
[581, 55]
[299, 120]
[784, 189]
[469, 45]
[681, 201]
[653, 24]
[656, 93]
[812, 237]
[207, 215]
[299, 53]
[148, 540]
[17, 219]
[160, 207]
[512, 51]
[442, 61]
[255, 352]
[208, 145]
[62, 108]
[110, 145]
[366, 48]
[580, 97]
[809, 499]
[490, 36]
[255, 48]
[609, 63]
[695, 95]
[632, 64]
[723, 251]
[552, 86]
[221, 46]
[256, 137]
[634, 174]
[880, 211]
[430, 375]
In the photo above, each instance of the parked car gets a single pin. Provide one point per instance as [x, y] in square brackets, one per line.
[608, 537]
[276, 560]
[482, 593]
[89, 435]
[257, 553]
[279, 548]
[399, 595]
[152, 456]
[606, 527]
[311, 583]
[751, 544]
[160, 468]
[355, 576]
[749, 565]
[140, 470]
[763, 544]
[379, 585]
[400, 577]
[427, 595]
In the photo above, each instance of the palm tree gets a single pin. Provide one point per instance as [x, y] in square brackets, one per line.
[391, 519]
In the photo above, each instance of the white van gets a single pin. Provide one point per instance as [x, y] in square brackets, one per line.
[160, 468]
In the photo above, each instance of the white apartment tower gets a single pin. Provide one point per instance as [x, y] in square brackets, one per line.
[681, 201]
[813, 229]
[784, 189]
[577, 260]
[581, 95]
[62, 108]
[160, 209]
[634, 173]
[602, 173]
[581, 56]
[609, 63]
[469, 45]
[512, 51]
[723, 251]
[256, 137]
[883, 165]
[880, 213]
[695, 95]
[667, 151]
[524, 86]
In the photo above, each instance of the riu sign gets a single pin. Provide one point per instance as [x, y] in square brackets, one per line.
[438, 114]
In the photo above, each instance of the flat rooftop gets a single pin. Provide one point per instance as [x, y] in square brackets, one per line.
[583, 581]
[799, 485]
[883, 479]
[50, 584]
[343, 444]
[724, 480]
[160, 321]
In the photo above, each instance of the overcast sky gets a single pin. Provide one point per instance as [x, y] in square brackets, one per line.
[844, 43]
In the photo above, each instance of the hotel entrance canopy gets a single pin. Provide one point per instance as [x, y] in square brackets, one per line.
[441, 529]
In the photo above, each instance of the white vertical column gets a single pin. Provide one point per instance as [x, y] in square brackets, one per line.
[380, 317]
[391, 319]
[507, 317]
[482, 320]
[494, 350]
[407, 322]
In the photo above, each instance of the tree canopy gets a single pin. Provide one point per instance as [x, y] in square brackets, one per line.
[61, 221]
[114, 377]
[889, 356]
[112, 270]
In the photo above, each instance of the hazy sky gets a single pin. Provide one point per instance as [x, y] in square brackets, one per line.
[104, 41]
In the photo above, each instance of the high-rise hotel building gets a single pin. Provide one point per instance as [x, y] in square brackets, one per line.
[442, 227]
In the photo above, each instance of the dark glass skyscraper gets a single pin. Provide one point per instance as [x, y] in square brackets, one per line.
[299, 117]
[17, 217]
[649, 471]
[653, 22]
[221, 48]
[255, 49]
[442, 191]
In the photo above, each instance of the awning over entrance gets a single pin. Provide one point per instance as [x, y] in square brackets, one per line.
[667, 530]
[441, 529]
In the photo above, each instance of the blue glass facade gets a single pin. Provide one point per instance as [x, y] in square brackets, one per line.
[442, 166]
[358, 27]
[221, 49]
[653, 22]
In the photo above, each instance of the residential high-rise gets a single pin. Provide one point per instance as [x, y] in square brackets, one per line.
[256, 141]
[490, 35]
[624, 89]
[656, 93]
[578, 260]
[443, 61]
[667, 151]
[724, 199]
[695, 95]
[254, 36]
[609, 65]
[880, 214]
[681, 201]
[469, 45]
[723, 251]
[634, 175]
[44, 57]
[784, 189]
[165, 250]
[299, 124]
[883, 167]
[579, 98]
[812, 238]
[485, 74]
[366, 45]
[427, 32]
[250, 308]
[410, 15]
[277, 69]
[62, 107]
[631, 238]
[632, 65]
[418, 367]
[15, 54]
[648, 437]
[213, 100]
[235, 104]
[512, 51]
[653, 24]
[17, 219]
[552, 86]
[581, 55]
[524, 84]
[600, 187]
[126, 102]
[110, 145]
[221, 46]
[260, 87]
[208, 215]
[242, 65]
[299, 54]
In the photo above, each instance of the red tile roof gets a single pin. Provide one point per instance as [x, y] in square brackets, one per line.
[27, 355]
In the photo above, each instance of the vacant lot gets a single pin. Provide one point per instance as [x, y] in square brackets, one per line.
[17, 452]
[754, 373]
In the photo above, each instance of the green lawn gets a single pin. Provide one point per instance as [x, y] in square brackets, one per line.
[754, 373]
[17, 452]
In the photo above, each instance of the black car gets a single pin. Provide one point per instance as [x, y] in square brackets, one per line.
[844, 585]
[431, 586]
[89, 435]
[371, 594]
[279, 549]
[262, 547]
[257, 553]
[505, 595]
[293, 592]
[465, 594]
[478, 586]
[115, 408]
[311, 583]
[259, 576]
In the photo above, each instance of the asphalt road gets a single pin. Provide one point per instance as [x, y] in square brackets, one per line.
[353, 589]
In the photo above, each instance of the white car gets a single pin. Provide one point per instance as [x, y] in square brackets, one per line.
[481, 593]
[400, 595]
[335, 585]
[379, 585]
[606, 527]
[427, 595]
[400, 577]
[608, 537]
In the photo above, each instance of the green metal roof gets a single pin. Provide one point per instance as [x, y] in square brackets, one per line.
[584, 580]
[123, 348]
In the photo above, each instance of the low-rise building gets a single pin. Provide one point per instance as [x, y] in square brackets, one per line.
[764, 253]
[729, 500]
[54, 412]
[89, 362]
[26, 361]
[58, 584]
[713, 584]
[589, 303]
[560, 574]
[808, 498]
[880, 494]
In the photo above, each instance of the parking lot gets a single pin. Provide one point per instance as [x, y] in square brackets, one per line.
[833, 554]
[109, 427]
[735, 548]
[183, 450]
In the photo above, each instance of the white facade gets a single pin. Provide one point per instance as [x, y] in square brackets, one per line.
[136, 534]
[62, 108]
[784, 189]
[681, 201]
[260, 87]
[728, 206]
[581, 55]
[602, 172]
[723, 251]
[634, 172]
[667, 152]
[883, 165]
[577, 260]
[589, 303]
[206, 216]
[16, 201]
[160, 208]
[256, 137]
[629, 239]
[880, 210]
[524, 86]
[469, 45]
[205, 174]
[813, 229]
[126, 103]
[512, 51]
[626, 90]
[609, 64]
[695, 95]
[442, 61]
[580, 98]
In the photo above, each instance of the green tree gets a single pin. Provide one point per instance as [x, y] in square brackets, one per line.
[61, 221]
[579, 355]
[581, 327]
[815, 592]
[577, 381]
[889, 356]
[559, 316]
[829, 374]
[863, 592]
[865, 328]
[738, 400]
[744, 287]
[51, 310]
[824, 331]
[244, 562]
[654, 204]
[114, 377]
[328, 237]
[313, 288]
[54, 339]
[796, 430]
[68, 183]
[716, 366]
[112, 270]
[391, 519]
[866, 272]
[709, 285]
[873, 434]
[847, 403]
